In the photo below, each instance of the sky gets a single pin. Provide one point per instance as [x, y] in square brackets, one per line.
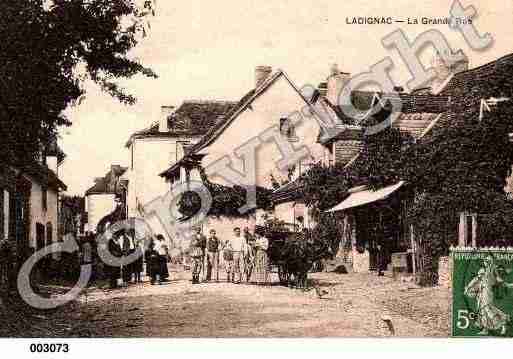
[208, 50]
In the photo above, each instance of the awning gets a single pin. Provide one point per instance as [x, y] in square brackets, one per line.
[366, 196]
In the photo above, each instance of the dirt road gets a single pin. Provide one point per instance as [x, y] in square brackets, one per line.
[355, 305]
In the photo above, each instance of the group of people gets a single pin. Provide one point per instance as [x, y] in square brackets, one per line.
[157, 257]
[122, 245]
[244, 256]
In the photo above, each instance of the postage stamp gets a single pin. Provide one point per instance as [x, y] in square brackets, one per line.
[482, 292]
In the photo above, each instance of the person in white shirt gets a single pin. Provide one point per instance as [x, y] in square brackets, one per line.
[161, 248]
[237, 245]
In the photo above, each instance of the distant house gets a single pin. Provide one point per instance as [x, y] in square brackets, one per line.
[104, 196]
[163, 144]
[270, 105]
[29, 202]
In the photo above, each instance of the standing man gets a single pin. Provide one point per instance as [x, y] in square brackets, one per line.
[198, 245]
[228, 260]
[238, 245]
[87, 256]
[212, 255]
[248, 253]
[161, 251]
[112, 269]
[127, 245]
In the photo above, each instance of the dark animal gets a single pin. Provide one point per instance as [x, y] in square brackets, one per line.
[298, 256]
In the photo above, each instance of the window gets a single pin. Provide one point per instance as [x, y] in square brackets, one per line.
[49, 233]
[287, 129]
[44, 198]
[40, 236]
[132, 157]
[4, 214]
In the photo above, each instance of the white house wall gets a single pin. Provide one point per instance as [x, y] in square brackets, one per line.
[151, 157]
[279, 101]
[98, 206]
[39, 215]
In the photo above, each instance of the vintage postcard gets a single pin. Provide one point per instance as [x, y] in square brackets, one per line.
[255, 169]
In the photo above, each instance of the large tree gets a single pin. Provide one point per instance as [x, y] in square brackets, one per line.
[48, 49]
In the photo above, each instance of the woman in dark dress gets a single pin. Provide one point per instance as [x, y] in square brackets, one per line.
[138, 264]
[128, 249]
[113, 271]
[153, 262]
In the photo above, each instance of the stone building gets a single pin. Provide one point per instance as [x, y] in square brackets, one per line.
[425, 113]
[266, 117]
[163, 144]
[29, 204]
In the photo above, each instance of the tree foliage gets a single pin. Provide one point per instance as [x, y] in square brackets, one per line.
[379, 163]
[48, 49]
[226, 200]
[381, 159]
[463, 168]
[322, 187]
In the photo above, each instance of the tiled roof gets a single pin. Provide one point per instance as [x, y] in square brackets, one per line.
[415, 123]
[212, 133]
[345, 150]
[484, 81]
[287, 193]
[103, 184]
[404, 102]
[198, 117]
[100, 187]
[417, 111]
[215, 130]
[219, 127]
[423, 114]
[192, 118]
[468, 88]
[44, 175]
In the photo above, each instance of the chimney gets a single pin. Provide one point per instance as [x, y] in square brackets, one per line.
[115, 169]
[335, 83]
[52, 163]
[457, 62]
[165, 112]
[261, 74]
[323, 89]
